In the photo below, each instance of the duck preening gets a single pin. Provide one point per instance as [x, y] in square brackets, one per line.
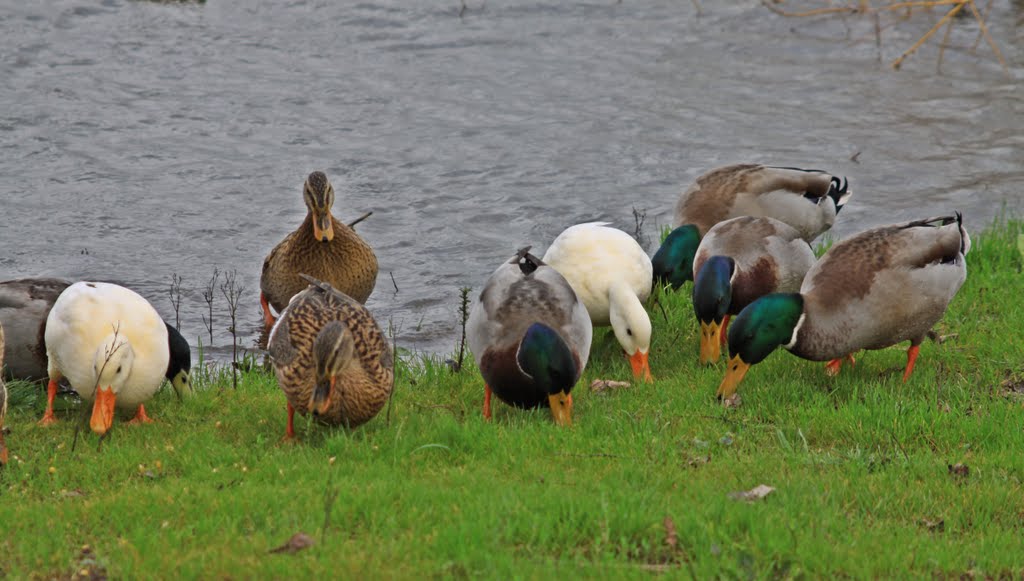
[807, 200]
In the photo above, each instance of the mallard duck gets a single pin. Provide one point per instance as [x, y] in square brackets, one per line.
[24, 305]
[611, 274]
[111, 345]
[331, 358]
[530, 336]
[807, 200]
[878, 288]
[323, 248]
[3, 402]
[738, 261]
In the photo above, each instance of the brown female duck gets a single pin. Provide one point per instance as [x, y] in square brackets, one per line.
[331, 358]
[323, 248]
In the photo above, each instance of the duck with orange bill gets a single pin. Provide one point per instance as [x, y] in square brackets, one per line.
[873, 290]
[612, 275]
[530, 336]
[112, 347]
[738, 261]
[331, 358]
[321, 247]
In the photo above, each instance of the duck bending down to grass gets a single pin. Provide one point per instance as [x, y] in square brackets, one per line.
[879, 288]
[323, 248]
[331, 358]
[611, 274]
[111, 345]
[530, 335]
[3, 403]
[24, 307]
[738, 261]
[806, 199]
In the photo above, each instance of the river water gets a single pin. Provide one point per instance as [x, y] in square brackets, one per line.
[140, 140]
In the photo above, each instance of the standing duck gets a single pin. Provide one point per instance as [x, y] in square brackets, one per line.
[111, 345]
[611, 274]
[879, 288]
[738, 261]
[331, 358]
[323, 248]
[530, 335]
[3, 403]
[806, 199]
[24, 306]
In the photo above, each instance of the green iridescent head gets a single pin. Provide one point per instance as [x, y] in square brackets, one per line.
[545, 356]
[673, 262]
[764, 325]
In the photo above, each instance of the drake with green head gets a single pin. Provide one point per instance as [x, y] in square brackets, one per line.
[806, 199]
[879, 288]
[530, 335]
[738, 261]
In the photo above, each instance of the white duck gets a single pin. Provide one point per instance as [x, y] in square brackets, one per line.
[612, 275]
[111, 345]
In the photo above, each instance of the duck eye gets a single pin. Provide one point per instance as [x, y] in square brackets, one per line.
[118, 369]
[629, 332]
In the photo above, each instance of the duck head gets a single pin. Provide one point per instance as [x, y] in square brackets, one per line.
[770, 322]
[673, 262]
[318, 194]
[712, 294]
[332, 350]
[180, 364]
[545, 356]
[112, 365]
[632, 327]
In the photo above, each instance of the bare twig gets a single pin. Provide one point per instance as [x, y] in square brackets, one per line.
[464, 316]
[232, 292]
[175, 292]
[393, 280]
[988, 37]
[949, 15]
[208, 294]
[330, 495]
[977, 41]
[639, 217]
[353, 223]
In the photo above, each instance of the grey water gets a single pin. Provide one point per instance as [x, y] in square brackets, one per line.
[140, 140]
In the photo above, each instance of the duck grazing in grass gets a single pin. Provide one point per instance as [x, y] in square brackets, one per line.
[111, 345]
[738, 261]
[807, 200]
[612, 275]
[331, 358]
[879, 288]
[24, 306]
[530, 335]
[3, 403]
[323, 248]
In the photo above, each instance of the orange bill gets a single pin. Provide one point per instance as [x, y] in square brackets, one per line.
[322, 395]
[103, 411]
[561, 408]
[733, 376]
[323, 229]
[641, 369]
[710, 342]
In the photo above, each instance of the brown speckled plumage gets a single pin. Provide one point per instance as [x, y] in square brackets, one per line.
[797, 197]
[364, 386]
[346, 262]
[881, 287]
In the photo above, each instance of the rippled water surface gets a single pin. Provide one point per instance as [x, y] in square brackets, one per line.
[139, 140]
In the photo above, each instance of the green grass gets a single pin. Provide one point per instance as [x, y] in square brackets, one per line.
[860, 464]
